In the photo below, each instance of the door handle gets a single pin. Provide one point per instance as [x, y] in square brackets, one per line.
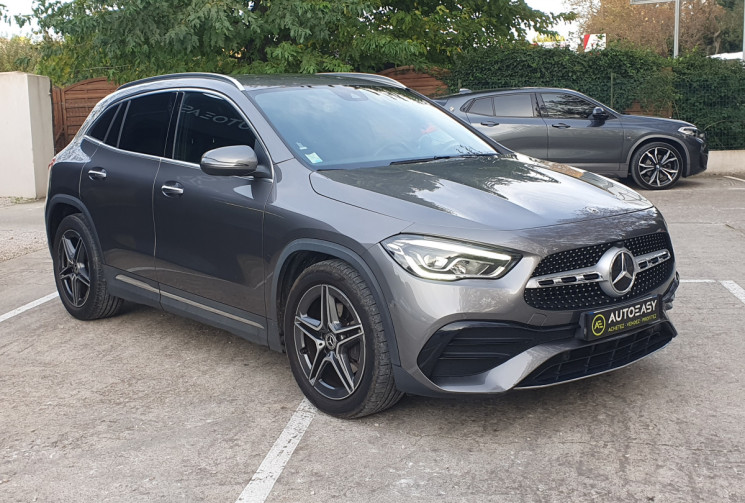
[97, 174]
[561, 125]
[172, 189]
[490, 123]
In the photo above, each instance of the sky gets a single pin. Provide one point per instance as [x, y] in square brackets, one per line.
[568, 30]
[24, 7]
[15, 7]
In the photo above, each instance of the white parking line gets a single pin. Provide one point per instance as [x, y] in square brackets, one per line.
[30, 305]
[698, 281]
[735, 289]
[735, 178]
[262, 482]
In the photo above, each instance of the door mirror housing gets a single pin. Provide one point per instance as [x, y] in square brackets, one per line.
[600, 113]
[236, 160]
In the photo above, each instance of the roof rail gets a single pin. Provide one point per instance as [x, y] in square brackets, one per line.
[201, 75]
[381, 79]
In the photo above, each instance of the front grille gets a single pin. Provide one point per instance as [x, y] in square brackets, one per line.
[601, 356]
[472, 347]
[589, 295]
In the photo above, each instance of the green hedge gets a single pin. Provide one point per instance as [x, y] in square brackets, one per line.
[705, 91]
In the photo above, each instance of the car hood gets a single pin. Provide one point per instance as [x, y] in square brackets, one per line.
[506, 192]
[660, 122]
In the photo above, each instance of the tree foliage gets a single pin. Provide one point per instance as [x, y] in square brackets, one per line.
[18, 54]
[134, 38]
[707, 25]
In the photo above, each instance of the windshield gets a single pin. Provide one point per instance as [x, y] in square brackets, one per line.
[356, 126]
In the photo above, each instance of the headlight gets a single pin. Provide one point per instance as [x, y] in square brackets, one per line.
[441, 259]
[691, 131]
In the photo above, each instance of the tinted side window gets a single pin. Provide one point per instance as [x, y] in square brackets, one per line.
[481, 106]
[567, 106]
[513, 105]
[146, 124]
[101, 126]
[206, 122]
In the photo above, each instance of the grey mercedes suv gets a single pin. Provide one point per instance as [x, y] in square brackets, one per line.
[561, 125]
[382, 243]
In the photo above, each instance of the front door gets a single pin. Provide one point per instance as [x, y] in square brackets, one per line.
[577, 138]
[209, 228]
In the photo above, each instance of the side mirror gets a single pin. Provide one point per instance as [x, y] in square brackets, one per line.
[236, 160]
[599, 113]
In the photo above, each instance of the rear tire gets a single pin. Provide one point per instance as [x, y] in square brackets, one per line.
[656, 166]
[78, 271]
[336, 343]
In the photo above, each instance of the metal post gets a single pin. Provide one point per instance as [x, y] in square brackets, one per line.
[677, 28]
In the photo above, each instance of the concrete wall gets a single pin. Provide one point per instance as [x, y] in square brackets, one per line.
[726, 162]
[26, 138]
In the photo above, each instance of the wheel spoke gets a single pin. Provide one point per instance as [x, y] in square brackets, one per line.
[316, 367]
[342, 371]
[330, 310]
[69, 250]
[84, 277]
[666, 157]
[301, 324]
[309, 322]
[75, 284]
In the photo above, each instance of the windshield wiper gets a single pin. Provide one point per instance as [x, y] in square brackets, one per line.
[421, 159]
[440, 157]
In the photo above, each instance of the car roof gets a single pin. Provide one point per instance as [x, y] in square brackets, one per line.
[253, 82]
[473, 94]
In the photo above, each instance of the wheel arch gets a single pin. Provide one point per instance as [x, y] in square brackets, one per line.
[298, 256]
[672, 141]
[60, 206]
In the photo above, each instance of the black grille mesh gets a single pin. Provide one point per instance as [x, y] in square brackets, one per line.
[588, 295]
[600, 356]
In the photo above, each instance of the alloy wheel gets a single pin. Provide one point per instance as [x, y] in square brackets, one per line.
[74, 268]
[659, 166]
[330, 341]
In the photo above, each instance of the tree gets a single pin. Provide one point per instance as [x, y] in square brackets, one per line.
[652, 25]
[19, 54]
[134, 38]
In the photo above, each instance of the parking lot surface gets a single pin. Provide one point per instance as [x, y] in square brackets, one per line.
[147, 406]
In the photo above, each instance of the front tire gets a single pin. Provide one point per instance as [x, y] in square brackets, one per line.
[336, 343]
[656, 166]
[78, 271]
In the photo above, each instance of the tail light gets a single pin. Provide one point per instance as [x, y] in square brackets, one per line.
[51, 163]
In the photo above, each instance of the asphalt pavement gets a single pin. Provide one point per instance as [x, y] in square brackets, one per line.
[148, 407]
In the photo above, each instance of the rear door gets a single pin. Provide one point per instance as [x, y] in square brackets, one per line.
[117, 184]
[513, 120]
[577, 138]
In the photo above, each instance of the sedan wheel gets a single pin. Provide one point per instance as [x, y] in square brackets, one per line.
[656, 166]
[336, 344]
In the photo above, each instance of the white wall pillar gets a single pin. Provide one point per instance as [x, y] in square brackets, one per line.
[26, 136]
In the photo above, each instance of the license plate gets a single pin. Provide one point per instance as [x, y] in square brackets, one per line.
[618, 319]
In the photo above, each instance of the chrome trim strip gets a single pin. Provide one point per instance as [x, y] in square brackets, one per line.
[145, 286]
[211, 309]
[137, 283]
[643, 262]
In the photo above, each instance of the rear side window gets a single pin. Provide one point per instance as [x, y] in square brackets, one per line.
[206, 122]
[513, 105]
[481, 106]
[146, 125]
[101, 127]
[567, 106]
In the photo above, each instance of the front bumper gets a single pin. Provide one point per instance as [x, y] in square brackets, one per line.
[479, 336]
[699, 156]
